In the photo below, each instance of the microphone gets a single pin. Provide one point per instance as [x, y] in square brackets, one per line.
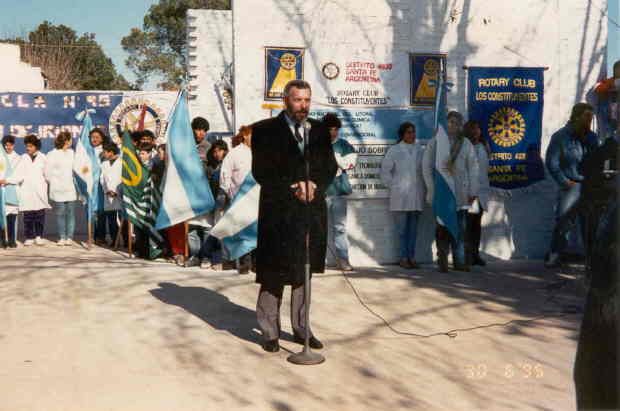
[307, 126]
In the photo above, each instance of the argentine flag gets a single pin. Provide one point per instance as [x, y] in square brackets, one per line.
[186, 192]
[5, 171]
[444, 194]
[238, 227]
[8, 193]
[86, 167]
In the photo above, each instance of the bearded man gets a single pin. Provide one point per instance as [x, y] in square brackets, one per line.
[280, 148]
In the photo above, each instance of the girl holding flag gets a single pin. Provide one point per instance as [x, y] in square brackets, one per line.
[450, 169]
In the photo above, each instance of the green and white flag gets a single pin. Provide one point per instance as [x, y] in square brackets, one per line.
[141, 198]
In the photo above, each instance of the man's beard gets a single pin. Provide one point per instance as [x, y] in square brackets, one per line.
[298, 116]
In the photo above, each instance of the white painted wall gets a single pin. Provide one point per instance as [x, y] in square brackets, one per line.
[17, 75]
[568, 36]
[210, 55]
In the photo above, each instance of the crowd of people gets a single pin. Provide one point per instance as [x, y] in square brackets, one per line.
[302, 168]
[46, 181]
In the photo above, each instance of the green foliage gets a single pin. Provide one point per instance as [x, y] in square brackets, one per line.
[160, 48]
[69, 61]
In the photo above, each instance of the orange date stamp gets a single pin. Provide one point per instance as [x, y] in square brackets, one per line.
[509, 371]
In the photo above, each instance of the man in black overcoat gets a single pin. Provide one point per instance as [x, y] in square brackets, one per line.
[278, 165]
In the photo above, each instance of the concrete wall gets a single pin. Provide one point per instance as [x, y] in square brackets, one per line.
[210, 67]
[567, 36]
[17, 75]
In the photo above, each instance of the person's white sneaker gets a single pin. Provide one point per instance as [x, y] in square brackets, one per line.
[61, 242]
[69, 242]
[38, 241]
[28, 242]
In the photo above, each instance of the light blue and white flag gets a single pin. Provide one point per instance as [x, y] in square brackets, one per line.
[8, 193]
[86, 167]
[4, 165]
[186, 192]
[444, 195]
[238, 227]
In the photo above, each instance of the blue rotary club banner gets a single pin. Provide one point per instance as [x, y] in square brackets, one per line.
[508, 104]
[281, 66]
[425, 69]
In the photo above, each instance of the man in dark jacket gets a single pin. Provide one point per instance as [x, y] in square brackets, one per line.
[278, 154]
[565, 154]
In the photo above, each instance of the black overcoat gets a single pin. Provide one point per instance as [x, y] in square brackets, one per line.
[277, 163]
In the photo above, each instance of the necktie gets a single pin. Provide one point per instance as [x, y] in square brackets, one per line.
[297, 134]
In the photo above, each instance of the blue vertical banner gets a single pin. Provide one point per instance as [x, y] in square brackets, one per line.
[425, 70]
[282, 64]
[508, 104]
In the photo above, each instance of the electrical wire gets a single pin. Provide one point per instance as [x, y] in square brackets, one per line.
[450, 333]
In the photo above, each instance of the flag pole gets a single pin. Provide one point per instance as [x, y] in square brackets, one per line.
[130, 238]
[4, 221]
[186, 226]
[90, 225]
[117, 240]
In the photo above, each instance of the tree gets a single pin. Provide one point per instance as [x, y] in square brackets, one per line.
[160, 48]
[69, 62]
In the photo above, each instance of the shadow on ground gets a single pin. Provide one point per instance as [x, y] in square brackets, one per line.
[211, 307]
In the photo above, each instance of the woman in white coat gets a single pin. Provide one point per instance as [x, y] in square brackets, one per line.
[63, 195]
[472, 130]
[33, 190]
[401, 172]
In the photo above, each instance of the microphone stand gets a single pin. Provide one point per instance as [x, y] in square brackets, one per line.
[307, 356]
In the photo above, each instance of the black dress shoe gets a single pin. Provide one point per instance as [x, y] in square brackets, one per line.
[479, 261]
[462, 267]
[313, 342]
[271, 346]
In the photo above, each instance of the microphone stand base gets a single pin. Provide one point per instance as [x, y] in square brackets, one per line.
[306, 357]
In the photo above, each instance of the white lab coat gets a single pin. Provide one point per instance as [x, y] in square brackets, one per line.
[483, 174]
[33, 187]
[111, 175]
[14, 161]
[59, 175]
[235, 167]
[401, 172]
[466, 180]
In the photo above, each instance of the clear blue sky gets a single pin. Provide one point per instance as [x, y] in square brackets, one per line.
[110, 20]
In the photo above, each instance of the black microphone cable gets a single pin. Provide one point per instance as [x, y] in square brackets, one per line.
[451, 333]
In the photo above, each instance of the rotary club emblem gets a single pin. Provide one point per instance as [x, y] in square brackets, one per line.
[506, 127]
[127, 116]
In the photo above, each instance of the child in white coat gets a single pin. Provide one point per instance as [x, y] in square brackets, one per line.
[111, 173]
[63, 195]
[33, 190]
[12, 210]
